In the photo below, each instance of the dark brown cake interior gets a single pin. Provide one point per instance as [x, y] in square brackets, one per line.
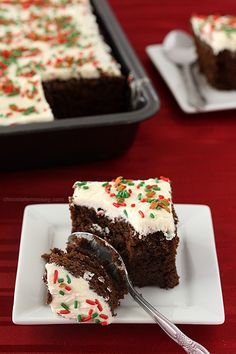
[85, 97]
[220, 69]
[150, 260]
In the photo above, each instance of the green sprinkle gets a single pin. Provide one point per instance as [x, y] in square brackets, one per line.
[156, 188]
[105, 184]
[94, 315]
[97, 321]
[75, 304]
[126, 214]
[139, 196]
[142, 183]
[130, 184]
[151, 200]
[85, 187]
[61, 292]
[80, 184]
[122, 194]
[79, 318]
[60, 280]
[65, 306]
[29, 111]
[152, 215]
[68, 279]
[158, 208]
[124, 181]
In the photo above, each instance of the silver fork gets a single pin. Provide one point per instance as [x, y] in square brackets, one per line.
[105, 252]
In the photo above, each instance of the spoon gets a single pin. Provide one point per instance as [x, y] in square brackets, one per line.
[178, 46]
[105, 253]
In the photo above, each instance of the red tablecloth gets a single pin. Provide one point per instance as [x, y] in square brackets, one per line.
[196, 151]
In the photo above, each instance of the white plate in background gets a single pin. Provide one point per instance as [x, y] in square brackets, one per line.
[172, 74]
[196, 300]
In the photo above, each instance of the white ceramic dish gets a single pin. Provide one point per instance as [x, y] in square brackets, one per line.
[196, 300]
[172, 74]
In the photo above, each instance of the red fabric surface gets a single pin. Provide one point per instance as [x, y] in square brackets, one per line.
[196, 151]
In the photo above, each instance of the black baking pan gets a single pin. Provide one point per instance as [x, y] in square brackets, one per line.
[74, 140]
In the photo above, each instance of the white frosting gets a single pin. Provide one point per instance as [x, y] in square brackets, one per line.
[63, 42]
[136, 211]
[219, 32]
[20, 109]
[76, 292]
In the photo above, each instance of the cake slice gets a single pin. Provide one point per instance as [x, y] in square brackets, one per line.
[138, 218]
[215, 39]
[80, 288]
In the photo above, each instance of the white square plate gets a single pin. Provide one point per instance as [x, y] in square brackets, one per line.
[197, 299]
[172, 74]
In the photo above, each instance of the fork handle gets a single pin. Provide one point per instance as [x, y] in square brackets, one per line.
[189, 345]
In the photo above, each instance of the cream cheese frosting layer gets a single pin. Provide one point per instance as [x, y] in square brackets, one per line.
[219, 32]
[145, 204]
[73, 299]
[53, 39]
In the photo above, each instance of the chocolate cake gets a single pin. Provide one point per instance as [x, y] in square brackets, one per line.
[138, 218]
[215, 39]
[80, 287]
[54, 63]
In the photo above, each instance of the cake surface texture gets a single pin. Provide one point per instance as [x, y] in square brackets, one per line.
[57, 45]
[138, 218]
[80, 288]
[215, 39]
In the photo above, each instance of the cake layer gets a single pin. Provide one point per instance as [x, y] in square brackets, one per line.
[137, 217]
[107, 94]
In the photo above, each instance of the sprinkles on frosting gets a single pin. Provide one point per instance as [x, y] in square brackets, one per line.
[145, 204]
[69, 297]
[42, 40]
[217, 31]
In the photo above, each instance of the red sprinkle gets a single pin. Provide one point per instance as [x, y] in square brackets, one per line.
[68, 288]
[99, 306]
[143, 200]
[104, 323]
[138, 186]
[90, 312]
[141, 213]
[161, 197]
[90, 302]
[132, 205]
[107, 188]
[165, 178]
[88, 318]
[149, 187]
[64, 312]
[102, 315]
[117, 205]
[121, 204]
[55, 276]
[112, 194]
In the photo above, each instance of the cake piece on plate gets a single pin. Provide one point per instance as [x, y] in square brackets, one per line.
[215, 38]
[138, 218]
[80, 288]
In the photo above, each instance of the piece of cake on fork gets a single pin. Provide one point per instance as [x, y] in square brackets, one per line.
[80, 286]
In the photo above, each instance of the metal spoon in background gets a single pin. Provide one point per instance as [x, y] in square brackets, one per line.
[178, 46]
[105, 253]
